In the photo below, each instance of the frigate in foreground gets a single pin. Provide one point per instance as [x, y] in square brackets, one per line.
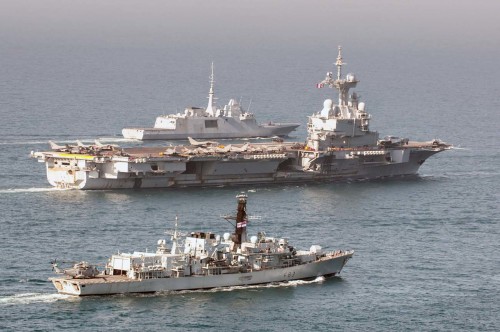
[203, 260]
[340, 146]
[231, 121]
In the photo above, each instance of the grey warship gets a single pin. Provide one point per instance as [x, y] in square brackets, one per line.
[340, 146]
[231, 121]
[203, 260]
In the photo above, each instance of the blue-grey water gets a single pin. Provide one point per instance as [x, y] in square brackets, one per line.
[426, 248]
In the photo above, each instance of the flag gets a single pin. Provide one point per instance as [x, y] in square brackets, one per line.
[319, 85]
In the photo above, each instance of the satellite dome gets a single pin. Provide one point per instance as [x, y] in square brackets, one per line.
[350, 77]
[315, 249]
[227, 236]
[327, 108]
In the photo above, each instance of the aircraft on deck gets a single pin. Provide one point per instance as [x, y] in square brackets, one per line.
[80, 270]
[243, 148]
[64, 148]
[194, 142]
[82, 148]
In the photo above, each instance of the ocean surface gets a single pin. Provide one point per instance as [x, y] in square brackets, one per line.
[426, 248]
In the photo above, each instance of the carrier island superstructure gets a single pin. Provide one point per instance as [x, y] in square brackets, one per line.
[340, 146]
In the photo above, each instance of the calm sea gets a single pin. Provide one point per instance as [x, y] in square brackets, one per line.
[426, 248]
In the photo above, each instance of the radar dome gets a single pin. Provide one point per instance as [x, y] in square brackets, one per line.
[226, 236]
[361, 106]
[253, 239]
[327, 108]
[350, 77]
[315, 249]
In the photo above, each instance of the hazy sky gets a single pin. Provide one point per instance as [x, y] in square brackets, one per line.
[64, 56]
[429, 23]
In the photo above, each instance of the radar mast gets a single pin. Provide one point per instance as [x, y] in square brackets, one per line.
[210, 107]
[341, 84]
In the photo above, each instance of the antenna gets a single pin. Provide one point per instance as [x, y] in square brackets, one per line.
[339, 63]
[175, 234]
[210, 106]
[342, 85]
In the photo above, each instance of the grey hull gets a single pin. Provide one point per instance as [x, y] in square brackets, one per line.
[109, 285]
[236, 132]
[225, 172]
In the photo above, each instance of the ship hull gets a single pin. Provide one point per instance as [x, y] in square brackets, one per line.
[226, 130]
[225, 171]
[107, 285]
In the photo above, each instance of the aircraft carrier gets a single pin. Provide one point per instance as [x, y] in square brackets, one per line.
[340, 146]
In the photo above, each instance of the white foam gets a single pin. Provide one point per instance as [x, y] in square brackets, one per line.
[30, 190]
[28, 298]
[71, 141]
[25, 143]
[114, 140]
[291, 283]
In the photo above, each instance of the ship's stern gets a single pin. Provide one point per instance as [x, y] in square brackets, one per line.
[67, 286]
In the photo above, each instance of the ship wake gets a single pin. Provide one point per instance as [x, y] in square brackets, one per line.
[291, 283]
[31, 190]
[29, 298]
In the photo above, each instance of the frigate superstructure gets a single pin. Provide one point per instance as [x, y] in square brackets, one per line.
[231, 121]
[203, 260]
[340, 146]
